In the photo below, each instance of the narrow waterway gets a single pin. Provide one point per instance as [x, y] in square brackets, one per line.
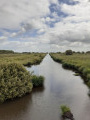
[60, 87]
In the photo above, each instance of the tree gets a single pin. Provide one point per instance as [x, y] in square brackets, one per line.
[6, 52]
[69, 52]
[88, 52]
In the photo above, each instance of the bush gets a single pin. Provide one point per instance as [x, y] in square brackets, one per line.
[37, 81]
[69, 52]
[15, 81]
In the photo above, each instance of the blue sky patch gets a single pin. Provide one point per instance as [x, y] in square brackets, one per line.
[32, 33]
[10, 30]
[54, 8]
[69, 2]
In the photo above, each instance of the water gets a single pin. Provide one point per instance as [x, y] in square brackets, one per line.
[60, 87]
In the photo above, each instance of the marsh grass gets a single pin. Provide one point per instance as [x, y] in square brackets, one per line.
[64, 109]
[77, 62]
[24, 59]
[66, 113]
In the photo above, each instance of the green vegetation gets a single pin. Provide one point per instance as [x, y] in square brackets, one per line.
[24, 59]
[37, 81]
[69, 52]
[88, 52]
[6, 52]
[15, 81]
[66, 113]
[76, 74]
[78, 62]
[65, 109]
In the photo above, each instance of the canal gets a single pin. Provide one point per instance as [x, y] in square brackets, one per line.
[60, 87]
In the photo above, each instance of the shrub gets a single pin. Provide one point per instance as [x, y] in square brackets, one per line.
[15, 81]
[37, 81]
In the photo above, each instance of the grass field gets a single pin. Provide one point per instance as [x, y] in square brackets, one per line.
[24, 59]
[78, 62]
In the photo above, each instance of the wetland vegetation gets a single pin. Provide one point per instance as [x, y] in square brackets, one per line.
[66, 113]
[26, 59]
[37, 81]
[58, 90]
[15, 80]
[78, 62]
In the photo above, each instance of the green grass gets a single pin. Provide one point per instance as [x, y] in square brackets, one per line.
[77, 62]
[24, 59]
[64, 109]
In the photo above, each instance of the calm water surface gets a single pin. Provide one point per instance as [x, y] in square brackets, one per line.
[60, 87]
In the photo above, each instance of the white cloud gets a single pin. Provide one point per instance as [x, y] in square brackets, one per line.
[3, 38]
[14, 12]
[23, 16]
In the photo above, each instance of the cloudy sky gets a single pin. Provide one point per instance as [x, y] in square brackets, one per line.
[45, 25]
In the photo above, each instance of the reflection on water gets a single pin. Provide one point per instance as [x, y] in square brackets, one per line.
[60, 87]
[38, 90]
[14, 109]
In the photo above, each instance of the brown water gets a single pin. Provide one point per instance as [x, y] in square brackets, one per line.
[60, 87]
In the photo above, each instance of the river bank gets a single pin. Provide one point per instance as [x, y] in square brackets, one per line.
[80, 63]
[60, 87]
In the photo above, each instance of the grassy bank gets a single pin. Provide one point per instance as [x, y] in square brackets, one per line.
[24, 59]
[78, 62]
[15, 80]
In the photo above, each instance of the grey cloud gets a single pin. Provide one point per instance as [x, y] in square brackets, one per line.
[28, 26]
[25, 28]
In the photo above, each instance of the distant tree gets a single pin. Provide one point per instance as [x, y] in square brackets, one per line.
[73, 51]
[88, 52]
[82, 52]
[58, 52]
[26, 52]
[6, 51]
[69, 52]
[78, 52]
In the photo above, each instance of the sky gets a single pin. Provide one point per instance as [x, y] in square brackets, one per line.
[44, 25]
